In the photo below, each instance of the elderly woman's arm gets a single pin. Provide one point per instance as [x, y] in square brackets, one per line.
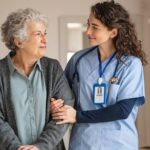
[53, 133]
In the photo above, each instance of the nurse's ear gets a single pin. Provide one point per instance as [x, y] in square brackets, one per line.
[113, 33]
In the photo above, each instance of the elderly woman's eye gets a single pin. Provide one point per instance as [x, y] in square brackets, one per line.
[39, 34]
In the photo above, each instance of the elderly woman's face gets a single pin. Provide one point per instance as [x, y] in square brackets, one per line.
[35, 45]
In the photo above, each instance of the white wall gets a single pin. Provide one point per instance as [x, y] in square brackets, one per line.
[74, 36]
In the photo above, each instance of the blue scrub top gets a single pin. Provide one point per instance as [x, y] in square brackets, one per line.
[115, 135]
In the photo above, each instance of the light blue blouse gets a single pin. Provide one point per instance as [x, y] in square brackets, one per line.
[28, 95]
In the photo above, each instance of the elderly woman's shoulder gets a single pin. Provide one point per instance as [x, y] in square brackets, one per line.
[3, 63]
[3, 60]
[4, 69]
[51, 65]
[49, 61]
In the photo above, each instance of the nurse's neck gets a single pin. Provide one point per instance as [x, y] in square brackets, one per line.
[106, 52]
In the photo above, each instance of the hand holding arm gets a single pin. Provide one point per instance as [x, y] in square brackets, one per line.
[65, 114]
[55, 105]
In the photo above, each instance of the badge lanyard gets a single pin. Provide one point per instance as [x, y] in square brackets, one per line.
[99, 89]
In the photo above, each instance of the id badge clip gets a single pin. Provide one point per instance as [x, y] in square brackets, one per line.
[99, 91]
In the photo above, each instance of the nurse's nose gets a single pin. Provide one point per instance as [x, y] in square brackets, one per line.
[88, 31]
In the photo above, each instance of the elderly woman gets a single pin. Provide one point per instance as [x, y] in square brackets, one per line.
[27, 81]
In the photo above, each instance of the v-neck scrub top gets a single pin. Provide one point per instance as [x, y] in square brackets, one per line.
[113, 135]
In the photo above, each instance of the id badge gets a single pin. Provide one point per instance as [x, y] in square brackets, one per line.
[99, 91]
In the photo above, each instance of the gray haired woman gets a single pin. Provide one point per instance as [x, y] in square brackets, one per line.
[27, 81]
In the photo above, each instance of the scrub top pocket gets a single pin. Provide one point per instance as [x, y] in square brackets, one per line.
[112, 93]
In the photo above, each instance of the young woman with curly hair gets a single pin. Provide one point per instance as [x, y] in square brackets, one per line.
[108, 83]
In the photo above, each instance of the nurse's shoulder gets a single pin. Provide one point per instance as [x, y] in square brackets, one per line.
[80, 53]
[131, 61]
[71, 65]
[78, 56]
[131, 65]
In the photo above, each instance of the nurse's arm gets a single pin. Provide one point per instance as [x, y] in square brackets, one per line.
[118, 111]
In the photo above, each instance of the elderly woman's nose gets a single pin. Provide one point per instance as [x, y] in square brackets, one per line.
[43, 38]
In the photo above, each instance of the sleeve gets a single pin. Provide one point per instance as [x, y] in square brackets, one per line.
[61, 87]
[72, 76]
[8, 139]
[53, 134]
[118, 111]
[132, 82]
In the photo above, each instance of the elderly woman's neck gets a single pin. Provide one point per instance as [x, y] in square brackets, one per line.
[24, 64]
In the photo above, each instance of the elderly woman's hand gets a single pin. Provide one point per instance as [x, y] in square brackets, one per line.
[55, 105]
[65, 114]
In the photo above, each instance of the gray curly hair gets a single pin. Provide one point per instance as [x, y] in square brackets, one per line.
[15, 25]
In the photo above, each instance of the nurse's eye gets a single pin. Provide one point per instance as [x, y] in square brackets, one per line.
[94, 28]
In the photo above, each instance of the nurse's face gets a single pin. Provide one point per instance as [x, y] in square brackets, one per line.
[97, 32]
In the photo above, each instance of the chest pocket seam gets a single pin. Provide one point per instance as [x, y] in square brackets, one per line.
[112, 93]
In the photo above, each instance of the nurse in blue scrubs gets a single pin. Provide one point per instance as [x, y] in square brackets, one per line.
[108, 83]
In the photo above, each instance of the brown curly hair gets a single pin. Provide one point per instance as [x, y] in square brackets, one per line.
[113, 15]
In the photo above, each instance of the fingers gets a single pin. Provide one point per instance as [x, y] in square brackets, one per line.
[65, 114]
[52, 99]
[25, 147]
[63, 121]
[34, 148]
[59, 116]
[67, 107]
[28, 147]
[62, 109]
[57, 102]
[55, 105]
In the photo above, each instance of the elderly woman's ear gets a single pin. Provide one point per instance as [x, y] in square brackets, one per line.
[18, 43]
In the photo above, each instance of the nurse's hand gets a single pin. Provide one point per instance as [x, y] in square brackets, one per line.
[55, 105]
[65, 114]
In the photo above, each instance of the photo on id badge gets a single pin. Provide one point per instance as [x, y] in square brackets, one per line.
[99, 94]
